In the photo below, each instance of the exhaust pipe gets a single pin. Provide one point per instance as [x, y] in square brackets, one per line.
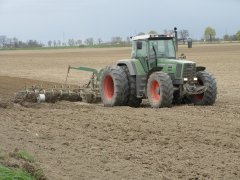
[176, 40]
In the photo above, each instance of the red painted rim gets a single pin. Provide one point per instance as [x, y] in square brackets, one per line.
[199, 96]
[155, 91]
[108, 87]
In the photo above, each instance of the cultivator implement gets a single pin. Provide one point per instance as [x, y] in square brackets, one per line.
[87, 93]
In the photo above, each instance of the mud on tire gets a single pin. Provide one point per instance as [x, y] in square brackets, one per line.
[160, 90]
[210, 95]
[114, 88]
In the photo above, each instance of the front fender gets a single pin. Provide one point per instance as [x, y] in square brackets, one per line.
[200, 68]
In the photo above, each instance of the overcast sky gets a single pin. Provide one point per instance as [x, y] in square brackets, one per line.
[50, 19]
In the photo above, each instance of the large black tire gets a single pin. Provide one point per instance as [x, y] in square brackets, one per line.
[133, 101]
[160, 90]
[210, 95]
[114, 88]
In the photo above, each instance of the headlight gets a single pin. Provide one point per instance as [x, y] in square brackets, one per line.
[185, 79]
[195, 79]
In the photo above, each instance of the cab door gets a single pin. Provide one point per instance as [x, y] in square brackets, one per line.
[142, 53]
[152, 57]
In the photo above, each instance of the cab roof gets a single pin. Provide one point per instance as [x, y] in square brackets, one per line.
[150, 37]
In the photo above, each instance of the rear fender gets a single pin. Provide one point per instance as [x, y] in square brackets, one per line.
[130, 64]
[135, 69]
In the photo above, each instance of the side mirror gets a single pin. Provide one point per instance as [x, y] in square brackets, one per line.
[139, 45]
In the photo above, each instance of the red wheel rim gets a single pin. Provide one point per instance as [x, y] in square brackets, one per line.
[155, 91]
[108, 87]
[199, 96]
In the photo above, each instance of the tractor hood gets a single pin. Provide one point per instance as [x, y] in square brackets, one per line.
[162, 61]
[177, 68]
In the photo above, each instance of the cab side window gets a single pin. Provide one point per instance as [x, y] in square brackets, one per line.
[141, 48]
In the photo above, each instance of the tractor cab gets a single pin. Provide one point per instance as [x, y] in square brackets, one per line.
[149, 48]
[153, 46]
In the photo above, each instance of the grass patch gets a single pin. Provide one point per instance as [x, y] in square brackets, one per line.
[22, 154]
[13, 173]
[19, 165]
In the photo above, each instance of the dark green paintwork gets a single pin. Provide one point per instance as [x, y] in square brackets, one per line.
[94, 71]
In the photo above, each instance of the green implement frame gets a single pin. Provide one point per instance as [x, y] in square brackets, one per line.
[94, 71]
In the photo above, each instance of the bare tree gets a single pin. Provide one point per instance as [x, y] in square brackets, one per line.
[116, 40]
[79, 42]
[183, 34]
[22, 44]
[15, 42]
[50, 43]
[89, 41]
[9, 43]
[3, 40]
[59, 43]
[55, 43]
[71, 42]
[128, 40]
[99, 41]
[34, 43]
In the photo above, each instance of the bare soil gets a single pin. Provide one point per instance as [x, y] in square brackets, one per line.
[89, 141]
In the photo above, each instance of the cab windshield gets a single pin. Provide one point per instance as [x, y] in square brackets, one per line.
[162, 48]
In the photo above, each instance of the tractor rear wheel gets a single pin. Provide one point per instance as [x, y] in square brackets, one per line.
[114, 88]
[133, 101]
[160, 90]
[210, 95]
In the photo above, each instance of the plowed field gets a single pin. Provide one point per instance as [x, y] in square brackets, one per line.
[89, 141]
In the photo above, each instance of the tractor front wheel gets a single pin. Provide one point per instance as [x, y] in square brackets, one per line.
[160, 90]
[210, 95]
[114, 88]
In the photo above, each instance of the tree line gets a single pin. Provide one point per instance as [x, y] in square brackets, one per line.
[6, 42]
[209, 35]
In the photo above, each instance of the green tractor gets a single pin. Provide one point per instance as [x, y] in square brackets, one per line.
[154, 72]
